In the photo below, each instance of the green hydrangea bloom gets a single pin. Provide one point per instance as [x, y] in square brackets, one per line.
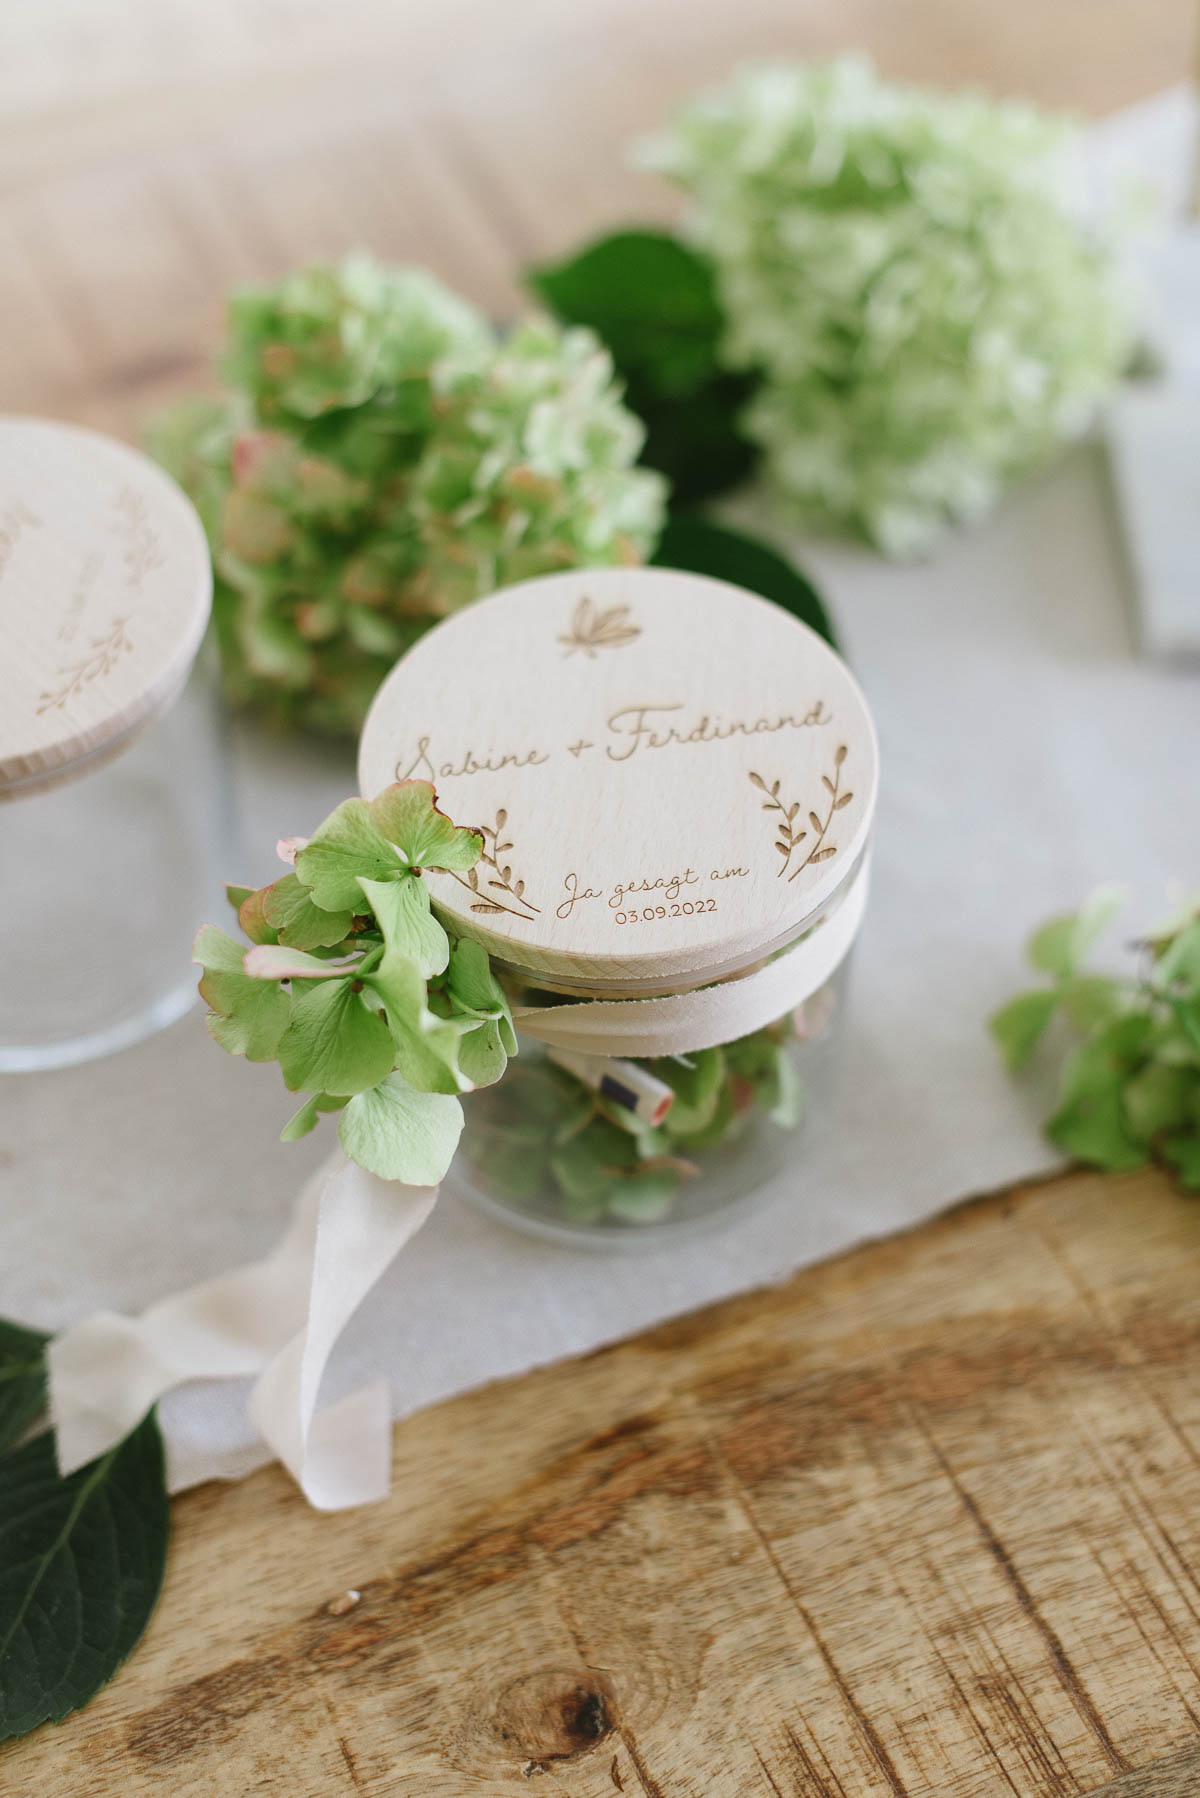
[381, 457]
[905, 269]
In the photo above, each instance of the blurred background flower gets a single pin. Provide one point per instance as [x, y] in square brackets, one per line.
[382, 456]
[905, 270]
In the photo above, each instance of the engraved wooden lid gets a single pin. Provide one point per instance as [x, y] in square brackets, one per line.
[673, 776]
[105, 592]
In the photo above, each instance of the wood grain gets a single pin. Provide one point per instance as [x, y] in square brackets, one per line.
[148, 166]
[637, 782]
[925, 1520]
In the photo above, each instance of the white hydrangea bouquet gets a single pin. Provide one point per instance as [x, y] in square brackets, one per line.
[899, 307]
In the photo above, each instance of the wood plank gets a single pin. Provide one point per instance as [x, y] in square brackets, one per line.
[925, 1520]
[1177, 1775]
[146, 169]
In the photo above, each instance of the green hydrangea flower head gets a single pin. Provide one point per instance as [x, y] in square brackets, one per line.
[382, 456]
[906, 269]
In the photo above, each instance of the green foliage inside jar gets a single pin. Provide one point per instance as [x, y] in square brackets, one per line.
[544, 1137]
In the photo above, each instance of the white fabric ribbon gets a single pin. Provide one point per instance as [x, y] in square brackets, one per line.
[277, 1318]
[682, 1023]
[280, 1318]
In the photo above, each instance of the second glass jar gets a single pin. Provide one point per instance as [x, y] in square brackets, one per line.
[548, 1153]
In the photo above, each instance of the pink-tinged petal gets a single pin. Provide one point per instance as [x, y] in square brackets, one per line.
[253, 454]
[271, 961]
[288, 848]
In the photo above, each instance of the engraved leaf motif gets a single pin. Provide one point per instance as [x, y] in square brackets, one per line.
[593, 629]
[788, 838]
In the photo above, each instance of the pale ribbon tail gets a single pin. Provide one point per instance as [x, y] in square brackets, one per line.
[278, 1318]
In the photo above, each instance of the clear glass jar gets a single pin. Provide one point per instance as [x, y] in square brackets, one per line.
[116, 869]
[543, 1151]
[114, 790]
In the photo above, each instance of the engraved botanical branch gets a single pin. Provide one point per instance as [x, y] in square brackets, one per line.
[106, 652]
[789, 838]
[497, 875]
[142, 552]
[592, 629]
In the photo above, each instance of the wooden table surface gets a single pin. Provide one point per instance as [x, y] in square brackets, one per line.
[922, 1521]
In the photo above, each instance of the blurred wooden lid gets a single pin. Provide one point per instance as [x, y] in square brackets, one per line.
[105, 592]
[673, 777]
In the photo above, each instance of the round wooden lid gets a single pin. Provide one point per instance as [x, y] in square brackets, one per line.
[672, 775]
[105, 592]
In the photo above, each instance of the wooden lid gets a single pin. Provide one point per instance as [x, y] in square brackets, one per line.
[673, 776]
[105, 592]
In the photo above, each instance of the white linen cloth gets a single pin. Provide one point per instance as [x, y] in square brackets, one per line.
[1027, 756]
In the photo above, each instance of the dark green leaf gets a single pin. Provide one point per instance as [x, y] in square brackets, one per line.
[653, 301]
[701, 547]
[695, 441]
[81, 1565]
[1183, 1153]
[650, 298]
[22, 1380]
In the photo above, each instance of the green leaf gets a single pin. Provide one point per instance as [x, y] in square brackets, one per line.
[289, 908]
[693, 1078]
[1092, 1000]
[347, 846]
[248, 1017]
[482, 1053]
[471, 983]
[400, 1134]
[1183, 1153]
[645, 1196]
[302, 1121]
[1187, 1016]
[1180, 961]
[787, 1101]
[334, 1043]
[1060, 946]
[1092, 1128]
[425, 1047]
[252, 917]
[650, 298]
[407, 815]
[22, 1380]
[1018, 1027]
[475, 992]
[409, 929]
[1157, 1099]
[700, 547]
[653, 302]
[589, 1162]
[81, 1566]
